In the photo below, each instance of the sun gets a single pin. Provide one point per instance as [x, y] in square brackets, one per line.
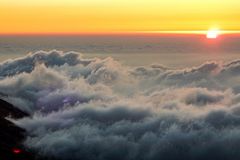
[212, 34]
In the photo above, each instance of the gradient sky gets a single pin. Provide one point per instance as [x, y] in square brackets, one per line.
[102, 16]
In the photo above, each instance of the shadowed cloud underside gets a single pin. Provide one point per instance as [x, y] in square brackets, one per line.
[100, 109]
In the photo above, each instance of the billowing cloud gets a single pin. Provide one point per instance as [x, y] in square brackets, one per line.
[98, 109]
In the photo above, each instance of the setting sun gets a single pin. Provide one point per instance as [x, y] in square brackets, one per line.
[213, 34]
[120, 79]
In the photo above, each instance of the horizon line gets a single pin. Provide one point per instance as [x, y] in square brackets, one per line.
[169, 32]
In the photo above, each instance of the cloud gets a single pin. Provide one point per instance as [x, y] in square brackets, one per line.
[99, 109]
[27, 63]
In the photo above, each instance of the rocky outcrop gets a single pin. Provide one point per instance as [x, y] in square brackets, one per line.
[11, 136]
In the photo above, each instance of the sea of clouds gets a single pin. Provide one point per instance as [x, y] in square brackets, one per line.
[98, 109]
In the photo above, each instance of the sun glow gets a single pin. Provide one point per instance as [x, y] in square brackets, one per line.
[213, 33]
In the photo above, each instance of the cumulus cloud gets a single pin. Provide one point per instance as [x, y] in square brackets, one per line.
[98, 109]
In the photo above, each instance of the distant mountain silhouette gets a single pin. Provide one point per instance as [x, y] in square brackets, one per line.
[11, 136]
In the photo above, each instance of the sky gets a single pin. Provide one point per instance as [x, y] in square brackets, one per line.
[106, 16]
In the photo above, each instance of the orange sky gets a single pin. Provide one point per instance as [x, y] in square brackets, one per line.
[106, 16]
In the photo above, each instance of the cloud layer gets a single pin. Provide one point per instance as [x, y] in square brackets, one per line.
[98, 109]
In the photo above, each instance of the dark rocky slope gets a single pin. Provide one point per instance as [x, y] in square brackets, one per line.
[11, 136]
